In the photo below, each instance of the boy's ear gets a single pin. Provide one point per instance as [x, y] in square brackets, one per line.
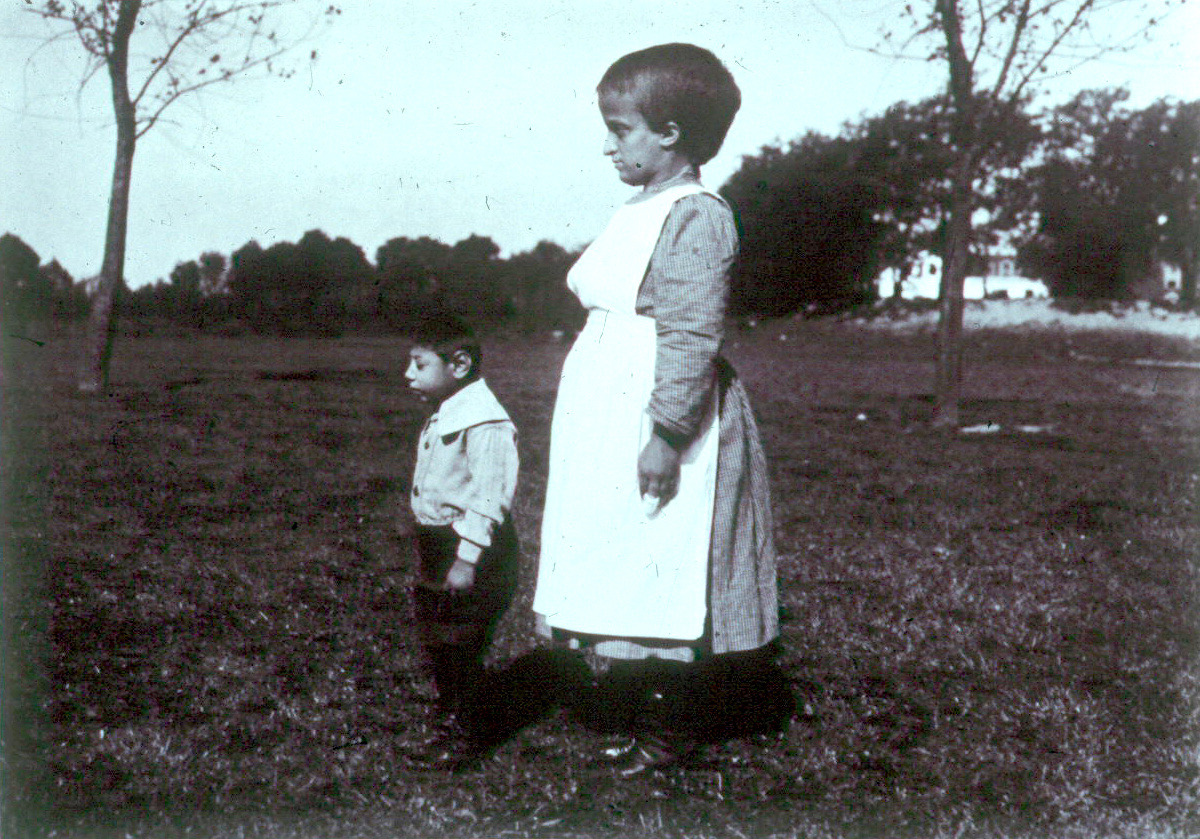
[460, 364]
[670, 135]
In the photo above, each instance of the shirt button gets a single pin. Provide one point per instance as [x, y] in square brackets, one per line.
[416, 491]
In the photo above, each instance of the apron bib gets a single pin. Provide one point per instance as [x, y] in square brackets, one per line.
[609, 565]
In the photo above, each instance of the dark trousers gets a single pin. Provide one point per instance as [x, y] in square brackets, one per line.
[456, 626]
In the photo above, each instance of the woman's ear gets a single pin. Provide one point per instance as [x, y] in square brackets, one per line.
[461, 364]
[670, 135]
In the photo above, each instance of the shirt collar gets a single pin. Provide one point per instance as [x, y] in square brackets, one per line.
[472, 405]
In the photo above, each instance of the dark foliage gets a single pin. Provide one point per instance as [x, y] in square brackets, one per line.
[417, 276]
[1083, 253]
[808, 230]
[537, 282]
[821, 219]
[30, 292]
[1119, 191]
[314, 287]
[25, 292]
[322, 287]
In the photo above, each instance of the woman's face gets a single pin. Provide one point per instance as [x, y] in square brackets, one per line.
[641, 155]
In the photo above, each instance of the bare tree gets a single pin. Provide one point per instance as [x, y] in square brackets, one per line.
[997, 52]
[189, 45]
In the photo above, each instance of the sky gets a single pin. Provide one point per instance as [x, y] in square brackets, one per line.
[446, 119]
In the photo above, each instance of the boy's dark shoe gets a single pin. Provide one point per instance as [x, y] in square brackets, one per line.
[616, 749]
[649, 753]
[451, 749]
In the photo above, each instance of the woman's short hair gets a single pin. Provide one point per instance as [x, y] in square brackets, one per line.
[680, 83]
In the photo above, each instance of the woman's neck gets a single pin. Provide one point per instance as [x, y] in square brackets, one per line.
[689, 174]
[685, 171]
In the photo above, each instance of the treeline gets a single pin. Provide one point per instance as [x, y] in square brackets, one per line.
[1090, 195]
[326, 286]
[318, 286]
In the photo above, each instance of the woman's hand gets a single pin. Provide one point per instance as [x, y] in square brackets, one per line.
[658, 470]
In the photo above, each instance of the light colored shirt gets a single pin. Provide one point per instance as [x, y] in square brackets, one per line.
[466, 471]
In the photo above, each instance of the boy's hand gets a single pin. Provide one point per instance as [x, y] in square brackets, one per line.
[658, 470]
[461, 575]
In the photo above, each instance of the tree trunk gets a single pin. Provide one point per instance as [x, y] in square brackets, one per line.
[948, 383]
[1188, 269]
[93, 374]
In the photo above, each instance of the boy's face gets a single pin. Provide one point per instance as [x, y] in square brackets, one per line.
[642, 156]
[432, 377]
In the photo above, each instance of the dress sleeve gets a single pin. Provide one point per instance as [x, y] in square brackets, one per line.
[686, 291]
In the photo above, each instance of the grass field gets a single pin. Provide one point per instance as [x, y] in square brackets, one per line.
[991, 634]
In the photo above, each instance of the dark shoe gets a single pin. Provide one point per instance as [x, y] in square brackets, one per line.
[616, 750]
[650, 754]
[450, 749]
[452, 758]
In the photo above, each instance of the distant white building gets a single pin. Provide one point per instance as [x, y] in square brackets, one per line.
[925, 279]
[1162, 285]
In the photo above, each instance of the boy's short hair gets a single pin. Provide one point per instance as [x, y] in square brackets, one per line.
[680, 83]
[446, 334]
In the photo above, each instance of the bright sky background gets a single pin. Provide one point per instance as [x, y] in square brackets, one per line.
[445, 118]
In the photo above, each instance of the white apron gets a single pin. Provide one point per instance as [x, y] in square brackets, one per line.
[607, 566]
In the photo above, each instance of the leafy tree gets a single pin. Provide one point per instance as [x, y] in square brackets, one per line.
[190, 45]
[409, 273]
[995, 52]
[809, 234]
[906, 155]
[537, 279]
[341, 280]
[417, 274]
[213, 280]
[250, 284]
[309, 287]
[416, 263]
[70, 297]
[1080, 253]
[474, 282]
[1118, 190]
[823, 217]
[1177, 188]
[24, 292]
[185, 297]
[153, 300]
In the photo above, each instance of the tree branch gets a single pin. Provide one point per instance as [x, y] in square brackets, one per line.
[981, 41]
[200, 22]
[1013, 47]
[150, 121]
[1055, 43]
[165, 60]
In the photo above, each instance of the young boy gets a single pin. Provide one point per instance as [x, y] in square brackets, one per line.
[462, 492]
